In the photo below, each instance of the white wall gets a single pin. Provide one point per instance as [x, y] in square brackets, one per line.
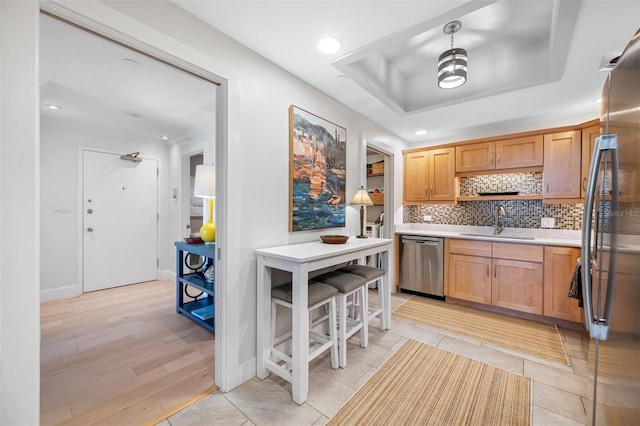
[255, 174]
[19, 210]
[59, 185]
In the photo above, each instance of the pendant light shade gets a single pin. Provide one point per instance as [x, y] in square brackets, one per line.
[452, 64]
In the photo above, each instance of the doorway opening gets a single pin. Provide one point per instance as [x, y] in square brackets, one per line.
[118, 353]
[379, 178]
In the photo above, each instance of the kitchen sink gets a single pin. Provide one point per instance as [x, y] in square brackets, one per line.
[498, 236]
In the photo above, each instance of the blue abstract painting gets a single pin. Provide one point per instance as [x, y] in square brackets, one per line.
[317, 169]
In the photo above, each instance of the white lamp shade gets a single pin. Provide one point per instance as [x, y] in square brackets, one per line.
[205, 181]
[362, 198]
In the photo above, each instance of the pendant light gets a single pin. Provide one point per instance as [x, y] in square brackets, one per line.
[452, 64]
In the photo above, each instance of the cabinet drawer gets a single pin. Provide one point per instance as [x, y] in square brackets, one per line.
[469, 247]
[526, 252]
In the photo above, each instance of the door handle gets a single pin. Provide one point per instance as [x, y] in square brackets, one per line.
[598, 327]
[584, 184]
[547, 187]
[498, 156]
[90, 229]
[495, 271]
[491, 158]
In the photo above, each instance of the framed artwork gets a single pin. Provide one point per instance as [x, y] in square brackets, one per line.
[317, 172]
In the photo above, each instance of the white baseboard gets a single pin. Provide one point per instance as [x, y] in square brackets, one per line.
[167, 275]
[59, 293]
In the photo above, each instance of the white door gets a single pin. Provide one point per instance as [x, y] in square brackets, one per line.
[120, 220]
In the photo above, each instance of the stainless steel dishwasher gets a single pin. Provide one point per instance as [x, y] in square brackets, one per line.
[421, 265]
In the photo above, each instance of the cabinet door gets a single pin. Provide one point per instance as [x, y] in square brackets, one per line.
[520, 152]
[415, 184]
[442, 174]
[517, 285]
[559, 264]
[475, 157]
[470, 278]
[562, 170]
[589, 136]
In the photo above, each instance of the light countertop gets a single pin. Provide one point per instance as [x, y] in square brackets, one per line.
[549, 237]
[554, 237]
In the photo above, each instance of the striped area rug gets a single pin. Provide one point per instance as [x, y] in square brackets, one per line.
[516, 334]
[423, 385]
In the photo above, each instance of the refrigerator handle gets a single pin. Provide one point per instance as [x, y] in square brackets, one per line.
[598, 327]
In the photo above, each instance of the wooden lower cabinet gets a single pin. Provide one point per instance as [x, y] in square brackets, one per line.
[470, 278]
[559, 264]
[517, 285]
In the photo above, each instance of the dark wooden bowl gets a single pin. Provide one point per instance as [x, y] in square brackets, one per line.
[334, 239]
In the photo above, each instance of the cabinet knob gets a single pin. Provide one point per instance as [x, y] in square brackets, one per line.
[90, 229]
[89, 211]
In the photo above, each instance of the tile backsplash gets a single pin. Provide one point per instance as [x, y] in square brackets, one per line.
[521, 213]
[523, 183]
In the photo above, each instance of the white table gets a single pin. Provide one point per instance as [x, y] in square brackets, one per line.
[300, 259]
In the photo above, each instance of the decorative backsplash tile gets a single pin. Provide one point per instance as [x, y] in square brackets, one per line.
[523, 183]
[520, 213]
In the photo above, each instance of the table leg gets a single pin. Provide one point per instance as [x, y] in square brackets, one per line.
[385, 320]
[300, 337]
[263, 326]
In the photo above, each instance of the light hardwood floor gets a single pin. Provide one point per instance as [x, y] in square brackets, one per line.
[121, 356]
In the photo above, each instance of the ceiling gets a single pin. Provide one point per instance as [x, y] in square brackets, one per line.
[104, 86]
[532, 64]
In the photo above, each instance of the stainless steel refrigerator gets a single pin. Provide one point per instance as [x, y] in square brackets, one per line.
[611, 250]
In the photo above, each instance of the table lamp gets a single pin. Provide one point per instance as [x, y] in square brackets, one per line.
[205, 187]
[361, 198]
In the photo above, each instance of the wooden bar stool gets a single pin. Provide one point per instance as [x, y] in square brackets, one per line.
[372, 275]
[319, 295]
[349, 284]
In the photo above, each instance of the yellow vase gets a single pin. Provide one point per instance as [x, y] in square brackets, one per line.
[208, 230]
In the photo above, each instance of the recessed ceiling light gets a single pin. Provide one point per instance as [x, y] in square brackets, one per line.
[597, 100]
[421, 132]
[329, 45]
[51, 106]
[131, 62]
[164, 138]
[342, 77]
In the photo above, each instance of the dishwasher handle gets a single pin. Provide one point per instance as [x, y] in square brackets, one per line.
[425, 241]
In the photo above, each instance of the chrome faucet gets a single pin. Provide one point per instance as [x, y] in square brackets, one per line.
[500, 213]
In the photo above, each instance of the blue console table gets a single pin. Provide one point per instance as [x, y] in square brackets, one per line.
[200, 308]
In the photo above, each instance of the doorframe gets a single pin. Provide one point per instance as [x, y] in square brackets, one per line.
[225, 348]
[389, 191]
[80, 201]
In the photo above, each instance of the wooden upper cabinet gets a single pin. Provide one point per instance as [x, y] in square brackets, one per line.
[441, 166]
[475, 157]
[429, 175]
[589, 136]
[562, 165]
[520, 152]
[415, 185]
[504, 154]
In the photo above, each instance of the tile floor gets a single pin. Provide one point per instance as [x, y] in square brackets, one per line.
[558, 391]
